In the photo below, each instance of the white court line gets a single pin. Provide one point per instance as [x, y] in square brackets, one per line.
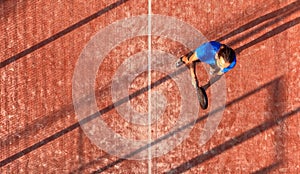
[149, 88]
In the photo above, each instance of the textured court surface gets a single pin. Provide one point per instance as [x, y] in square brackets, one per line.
[41, 42]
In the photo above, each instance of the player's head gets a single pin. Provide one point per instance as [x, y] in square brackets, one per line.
[225, 56]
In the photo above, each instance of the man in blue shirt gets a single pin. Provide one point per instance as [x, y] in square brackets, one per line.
[220, 57]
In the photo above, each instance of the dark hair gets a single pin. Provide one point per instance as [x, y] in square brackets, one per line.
[227, 53]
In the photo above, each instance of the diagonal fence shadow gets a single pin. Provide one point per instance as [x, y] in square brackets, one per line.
[61, 33]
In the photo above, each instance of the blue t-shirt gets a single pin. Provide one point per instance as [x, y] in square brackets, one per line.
[207, 51]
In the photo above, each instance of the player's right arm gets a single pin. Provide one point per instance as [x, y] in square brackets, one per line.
[191, 64]
[193, 75]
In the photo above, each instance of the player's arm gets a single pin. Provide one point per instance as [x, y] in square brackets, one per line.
[190, 62]
[193, 75]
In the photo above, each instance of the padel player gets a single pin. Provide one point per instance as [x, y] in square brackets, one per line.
[220, 57]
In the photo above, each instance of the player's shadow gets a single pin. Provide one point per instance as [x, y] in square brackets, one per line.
[61, 33]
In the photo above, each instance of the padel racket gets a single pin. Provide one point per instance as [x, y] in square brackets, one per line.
[202, 97]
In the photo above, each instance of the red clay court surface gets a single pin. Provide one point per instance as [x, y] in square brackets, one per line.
[41, 42]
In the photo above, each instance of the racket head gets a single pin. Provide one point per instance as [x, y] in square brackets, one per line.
[202, 97]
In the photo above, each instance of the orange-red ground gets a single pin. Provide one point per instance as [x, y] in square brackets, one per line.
[41, 41]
